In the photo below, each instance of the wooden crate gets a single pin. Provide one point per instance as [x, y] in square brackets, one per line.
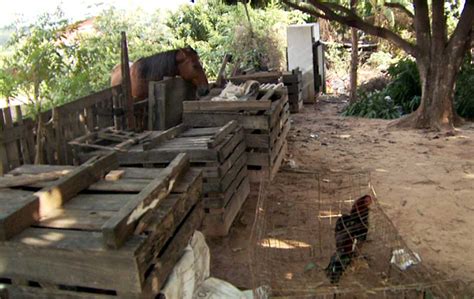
[292, 80]
[294, 83]
[95, 230]
[220, 152]
[265, 122]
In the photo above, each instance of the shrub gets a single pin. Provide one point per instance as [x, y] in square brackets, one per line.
[405, 92]
[373, 105]
[464, 102]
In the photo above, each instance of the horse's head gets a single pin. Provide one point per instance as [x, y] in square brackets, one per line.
[190, 69]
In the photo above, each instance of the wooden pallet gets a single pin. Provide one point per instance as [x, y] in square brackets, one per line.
[97, 231]
[266, 126]
[220, 152]
[292, 80]
[294, 83]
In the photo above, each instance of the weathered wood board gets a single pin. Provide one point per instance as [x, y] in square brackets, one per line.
[65, 247]
[220, 152]
[265, 130]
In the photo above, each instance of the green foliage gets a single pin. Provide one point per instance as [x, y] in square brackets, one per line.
[8, 84]
[51, 62]
[373, 105]
[405, 84]
[36, 61]
[214, 29]
[404, 92]
[464, 101]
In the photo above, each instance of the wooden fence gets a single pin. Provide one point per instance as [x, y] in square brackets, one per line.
[106, 108]
[61, 125]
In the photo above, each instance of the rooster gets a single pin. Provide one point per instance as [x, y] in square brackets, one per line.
[345, 245]
[360, 217]
[350, 229]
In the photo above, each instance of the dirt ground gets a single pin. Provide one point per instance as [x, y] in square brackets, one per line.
[424, 182]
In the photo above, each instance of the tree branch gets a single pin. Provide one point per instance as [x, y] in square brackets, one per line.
[456, 44]
[439, 28]
[353, 20]
[399, 6]
[304, 9]
[422, 26]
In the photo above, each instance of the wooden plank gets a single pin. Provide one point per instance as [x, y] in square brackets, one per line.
[227, 164]
[220, 135]
[39, 169]
[169, 257]
[4, 165]
[90, 220]
[114, 175]
[79, 179]
[26, 292]
[227, 148]
[121, 186]
[220, 201]
[126, 82]
[196, 132]
[49, 145]
[218, 185]
[29, 136]
[258, 159]
[141, 173]
[233, 172]
[164, 156]
[281, 139]
[219, 225]
[12, 134]
[59, 143]
[24, 180]
[284, 118]
[117, 229]
[160, 100]
[24, 144]
[87, 101]
[18, 210]
[257, 122]
[279, 160]
[161, 224]
[152, 106]
[70, 257]
[276, 110]
[209, 106]
[268, 173]
[257, 140]
[267, 95]
[98, 202]
[164, 135]
[11, 147]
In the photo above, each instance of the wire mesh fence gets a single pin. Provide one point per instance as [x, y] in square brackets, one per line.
[304, 243]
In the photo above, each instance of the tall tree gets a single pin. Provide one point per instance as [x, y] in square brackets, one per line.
[438, 55]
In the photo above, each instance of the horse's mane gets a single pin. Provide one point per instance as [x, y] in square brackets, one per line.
[159, 65]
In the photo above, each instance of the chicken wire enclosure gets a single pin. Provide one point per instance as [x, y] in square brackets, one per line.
[293, 240]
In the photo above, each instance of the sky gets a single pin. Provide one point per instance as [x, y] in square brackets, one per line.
[10, 10]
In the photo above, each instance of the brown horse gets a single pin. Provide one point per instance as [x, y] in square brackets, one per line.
[180, 62]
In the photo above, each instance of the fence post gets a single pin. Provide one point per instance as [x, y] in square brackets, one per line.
[126, 83]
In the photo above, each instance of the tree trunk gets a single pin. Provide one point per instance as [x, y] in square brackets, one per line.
[436, 110]
[354, 59]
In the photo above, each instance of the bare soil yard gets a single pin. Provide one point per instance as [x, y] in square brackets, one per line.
[424, 182]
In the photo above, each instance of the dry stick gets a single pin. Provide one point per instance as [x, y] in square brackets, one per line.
[221, 74]
[126, 83]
